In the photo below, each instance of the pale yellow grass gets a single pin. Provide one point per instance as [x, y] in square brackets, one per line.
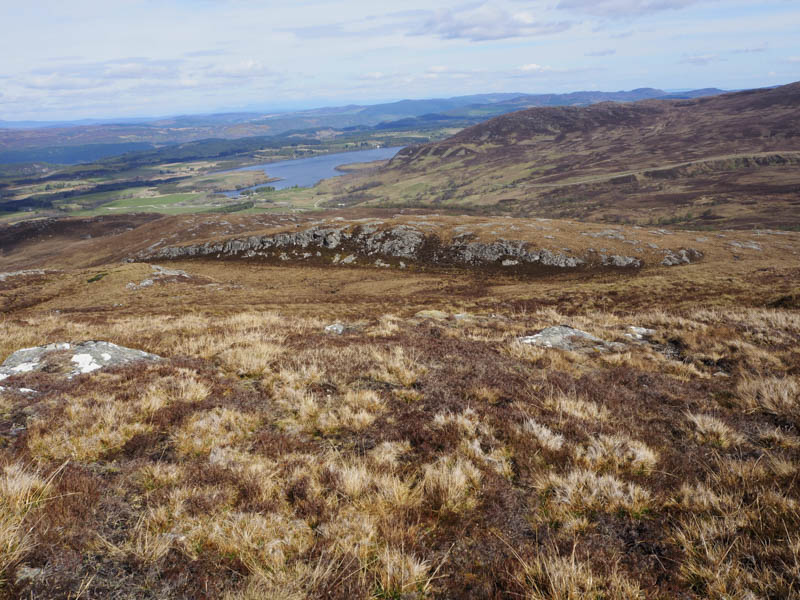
[582, 490]
[397, 366]
[708, 429]
[22, 490]
[547, 438]
[778, 396]
[617, 453]
[401, 573]
[569, 404]
[93, 424]
[551, 577]
[451, 483]
[214, 428]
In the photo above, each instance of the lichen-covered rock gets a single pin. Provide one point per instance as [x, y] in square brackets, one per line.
[405, 242]
[684, 256]
[71, 359]
[639, 333]
[335, 328]
[563, 337]
[749, 245]
[616, 260]
[401, 241]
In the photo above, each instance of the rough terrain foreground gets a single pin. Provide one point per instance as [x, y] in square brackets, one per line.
[461, 426]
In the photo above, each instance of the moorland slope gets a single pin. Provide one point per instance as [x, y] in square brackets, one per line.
[728, 160]
[366, 431]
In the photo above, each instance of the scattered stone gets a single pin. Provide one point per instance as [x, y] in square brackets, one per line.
[160, 274]
[640, 333]
[26, 575]
[612, 234]
[164, 272]
[751, 245]
[4, 276]
[616, 260]
[563, 337]
[432, 314]
[684, 256]
[335, 328]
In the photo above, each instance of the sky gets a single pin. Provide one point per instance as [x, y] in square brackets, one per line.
[132, 58]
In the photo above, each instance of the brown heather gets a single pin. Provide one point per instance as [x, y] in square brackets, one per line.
[409, 457]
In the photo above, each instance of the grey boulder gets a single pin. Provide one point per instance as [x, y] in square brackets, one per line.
[75, 359]
[563, 337]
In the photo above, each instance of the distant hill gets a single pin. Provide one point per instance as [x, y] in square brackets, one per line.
[74, 142]
[730, 158]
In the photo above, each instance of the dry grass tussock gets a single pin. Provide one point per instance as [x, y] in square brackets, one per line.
[583, 490]
[549, 575]
[23, 491]
[410, 458]
[711, 430]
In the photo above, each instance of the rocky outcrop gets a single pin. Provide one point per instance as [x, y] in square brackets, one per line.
[401, 245]
[684, 256]
[397, 244]
[615, 260]
[70, 360]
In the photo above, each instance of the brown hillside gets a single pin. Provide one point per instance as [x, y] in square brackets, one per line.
[725, 160]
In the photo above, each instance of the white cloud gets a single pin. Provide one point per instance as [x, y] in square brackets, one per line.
[485, 22]
[624, 8]
[606, 52]
[700, 59]
[534, 68]
[241, 70]
[373, 76]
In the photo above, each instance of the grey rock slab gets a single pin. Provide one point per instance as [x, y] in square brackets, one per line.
[615, 260]
[750, 245]
[639, 333]
[86, 357]
[563, 337]
[335, 328]
[4, 276]
[684, 256]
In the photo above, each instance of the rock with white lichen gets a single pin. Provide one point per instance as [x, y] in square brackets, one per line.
[563, 337]
[71, 359]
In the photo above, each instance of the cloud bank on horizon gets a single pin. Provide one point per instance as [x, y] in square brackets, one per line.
[98, 59]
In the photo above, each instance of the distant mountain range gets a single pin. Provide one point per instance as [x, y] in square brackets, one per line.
[88, 140]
